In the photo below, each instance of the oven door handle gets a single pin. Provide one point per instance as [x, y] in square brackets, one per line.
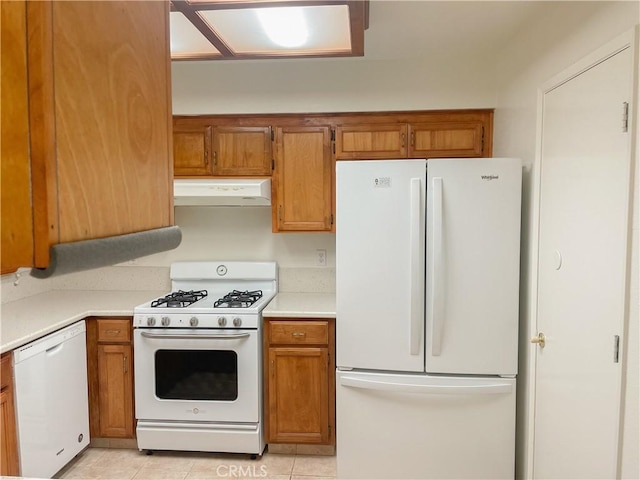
[231, 336]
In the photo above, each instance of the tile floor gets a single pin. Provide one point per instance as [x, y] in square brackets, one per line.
[121, 464]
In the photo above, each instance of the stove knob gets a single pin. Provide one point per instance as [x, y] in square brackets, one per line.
[165, 321]
[237, 322]
[193, 322]
[151, 321]
[222, 321]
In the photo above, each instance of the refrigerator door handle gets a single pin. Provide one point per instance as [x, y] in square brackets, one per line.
[417, 311]
[425, 389]
[437, 265]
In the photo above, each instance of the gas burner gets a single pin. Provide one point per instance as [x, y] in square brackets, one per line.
[179, 298]
[238, 299]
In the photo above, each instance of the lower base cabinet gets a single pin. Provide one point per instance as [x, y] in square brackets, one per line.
[9, 461]
[299, 359]
[110, 370]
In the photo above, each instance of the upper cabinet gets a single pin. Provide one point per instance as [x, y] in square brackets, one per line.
[17, 214]
[442, 139]
[371, 141]
[416, 135]
[99, 123]
[202, 149]
[303, 180]
[192, 150]
[299, 151]
[242, 151]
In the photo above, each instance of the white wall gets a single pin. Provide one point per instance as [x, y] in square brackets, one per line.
[241, 233]
[570, 31]
[324, 85]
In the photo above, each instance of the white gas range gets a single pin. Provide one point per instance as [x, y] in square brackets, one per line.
[198, 361]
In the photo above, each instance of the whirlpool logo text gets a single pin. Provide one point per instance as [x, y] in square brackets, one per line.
[489, 177]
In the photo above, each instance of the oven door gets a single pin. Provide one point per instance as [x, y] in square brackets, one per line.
[197, 375]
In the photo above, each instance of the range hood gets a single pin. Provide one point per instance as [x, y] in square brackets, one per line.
[222, 192]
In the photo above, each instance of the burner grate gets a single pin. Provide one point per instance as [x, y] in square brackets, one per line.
[180, 298]
[238, 299]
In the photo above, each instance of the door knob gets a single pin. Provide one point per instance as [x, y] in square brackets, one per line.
[540, 340]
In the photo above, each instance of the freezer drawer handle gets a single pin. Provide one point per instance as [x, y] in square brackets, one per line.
[490, 389]
[196, 337]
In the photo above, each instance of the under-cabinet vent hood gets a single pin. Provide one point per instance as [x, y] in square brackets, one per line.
[229, 192]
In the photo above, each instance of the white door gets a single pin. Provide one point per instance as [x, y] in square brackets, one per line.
[380, 264]
[473, 265]
[582, 255]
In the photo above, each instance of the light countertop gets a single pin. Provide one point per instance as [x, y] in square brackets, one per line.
[30, 318]
[302, 305]
[33, 317]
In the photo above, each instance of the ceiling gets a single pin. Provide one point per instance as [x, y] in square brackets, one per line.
[258, 29]
[382, 29]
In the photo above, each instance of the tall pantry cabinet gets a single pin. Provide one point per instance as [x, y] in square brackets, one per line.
[88, 152]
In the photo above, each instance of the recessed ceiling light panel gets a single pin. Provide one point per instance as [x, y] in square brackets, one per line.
[327, 30]
[186, 39]
[285, 26]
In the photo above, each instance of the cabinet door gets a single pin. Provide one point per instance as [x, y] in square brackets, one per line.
[298, 395]
[303, 180]
[17, 215]
[8, 436]
[371, 141]
[102, 159]
[116, 390]
[191, 147]
[446, 139]
[242, 151]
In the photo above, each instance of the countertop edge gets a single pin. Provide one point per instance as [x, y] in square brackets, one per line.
[301, 305]
[9, 346]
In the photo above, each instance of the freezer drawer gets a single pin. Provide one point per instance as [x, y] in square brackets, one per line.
[420, 426]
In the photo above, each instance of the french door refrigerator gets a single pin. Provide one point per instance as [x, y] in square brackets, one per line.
[427, 255]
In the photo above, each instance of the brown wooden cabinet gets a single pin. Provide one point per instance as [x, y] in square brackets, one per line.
[446, 139]
[9, 462]
[110, 371]
[192, 150]
[99, 124]
[299, 358]
[243, 151]
[371, 141]
[304, 148]
[17, 214]
[420, 135]
[303, 179]
[201, 149]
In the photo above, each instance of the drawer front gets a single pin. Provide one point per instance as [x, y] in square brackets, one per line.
[114, 331]
[299, 332]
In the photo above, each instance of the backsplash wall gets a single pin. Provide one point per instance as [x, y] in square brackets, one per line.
[241, 233]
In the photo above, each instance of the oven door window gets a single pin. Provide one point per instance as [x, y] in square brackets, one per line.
[196, 374]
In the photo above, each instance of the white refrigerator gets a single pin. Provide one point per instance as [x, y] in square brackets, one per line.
[427, 277]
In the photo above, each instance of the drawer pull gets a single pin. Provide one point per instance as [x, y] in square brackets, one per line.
[113, 333]
[298, 334]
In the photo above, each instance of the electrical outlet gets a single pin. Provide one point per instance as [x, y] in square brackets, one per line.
[321, 257]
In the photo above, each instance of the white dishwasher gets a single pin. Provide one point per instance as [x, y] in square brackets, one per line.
[52, 400]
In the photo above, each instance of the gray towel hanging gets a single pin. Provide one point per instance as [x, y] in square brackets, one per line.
[102, 252]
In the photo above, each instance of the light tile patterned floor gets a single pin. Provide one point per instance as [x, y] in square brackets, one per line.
[127, 464]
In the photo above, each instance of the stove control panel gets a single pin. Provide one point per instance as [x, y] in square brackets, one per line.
[182, 320]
